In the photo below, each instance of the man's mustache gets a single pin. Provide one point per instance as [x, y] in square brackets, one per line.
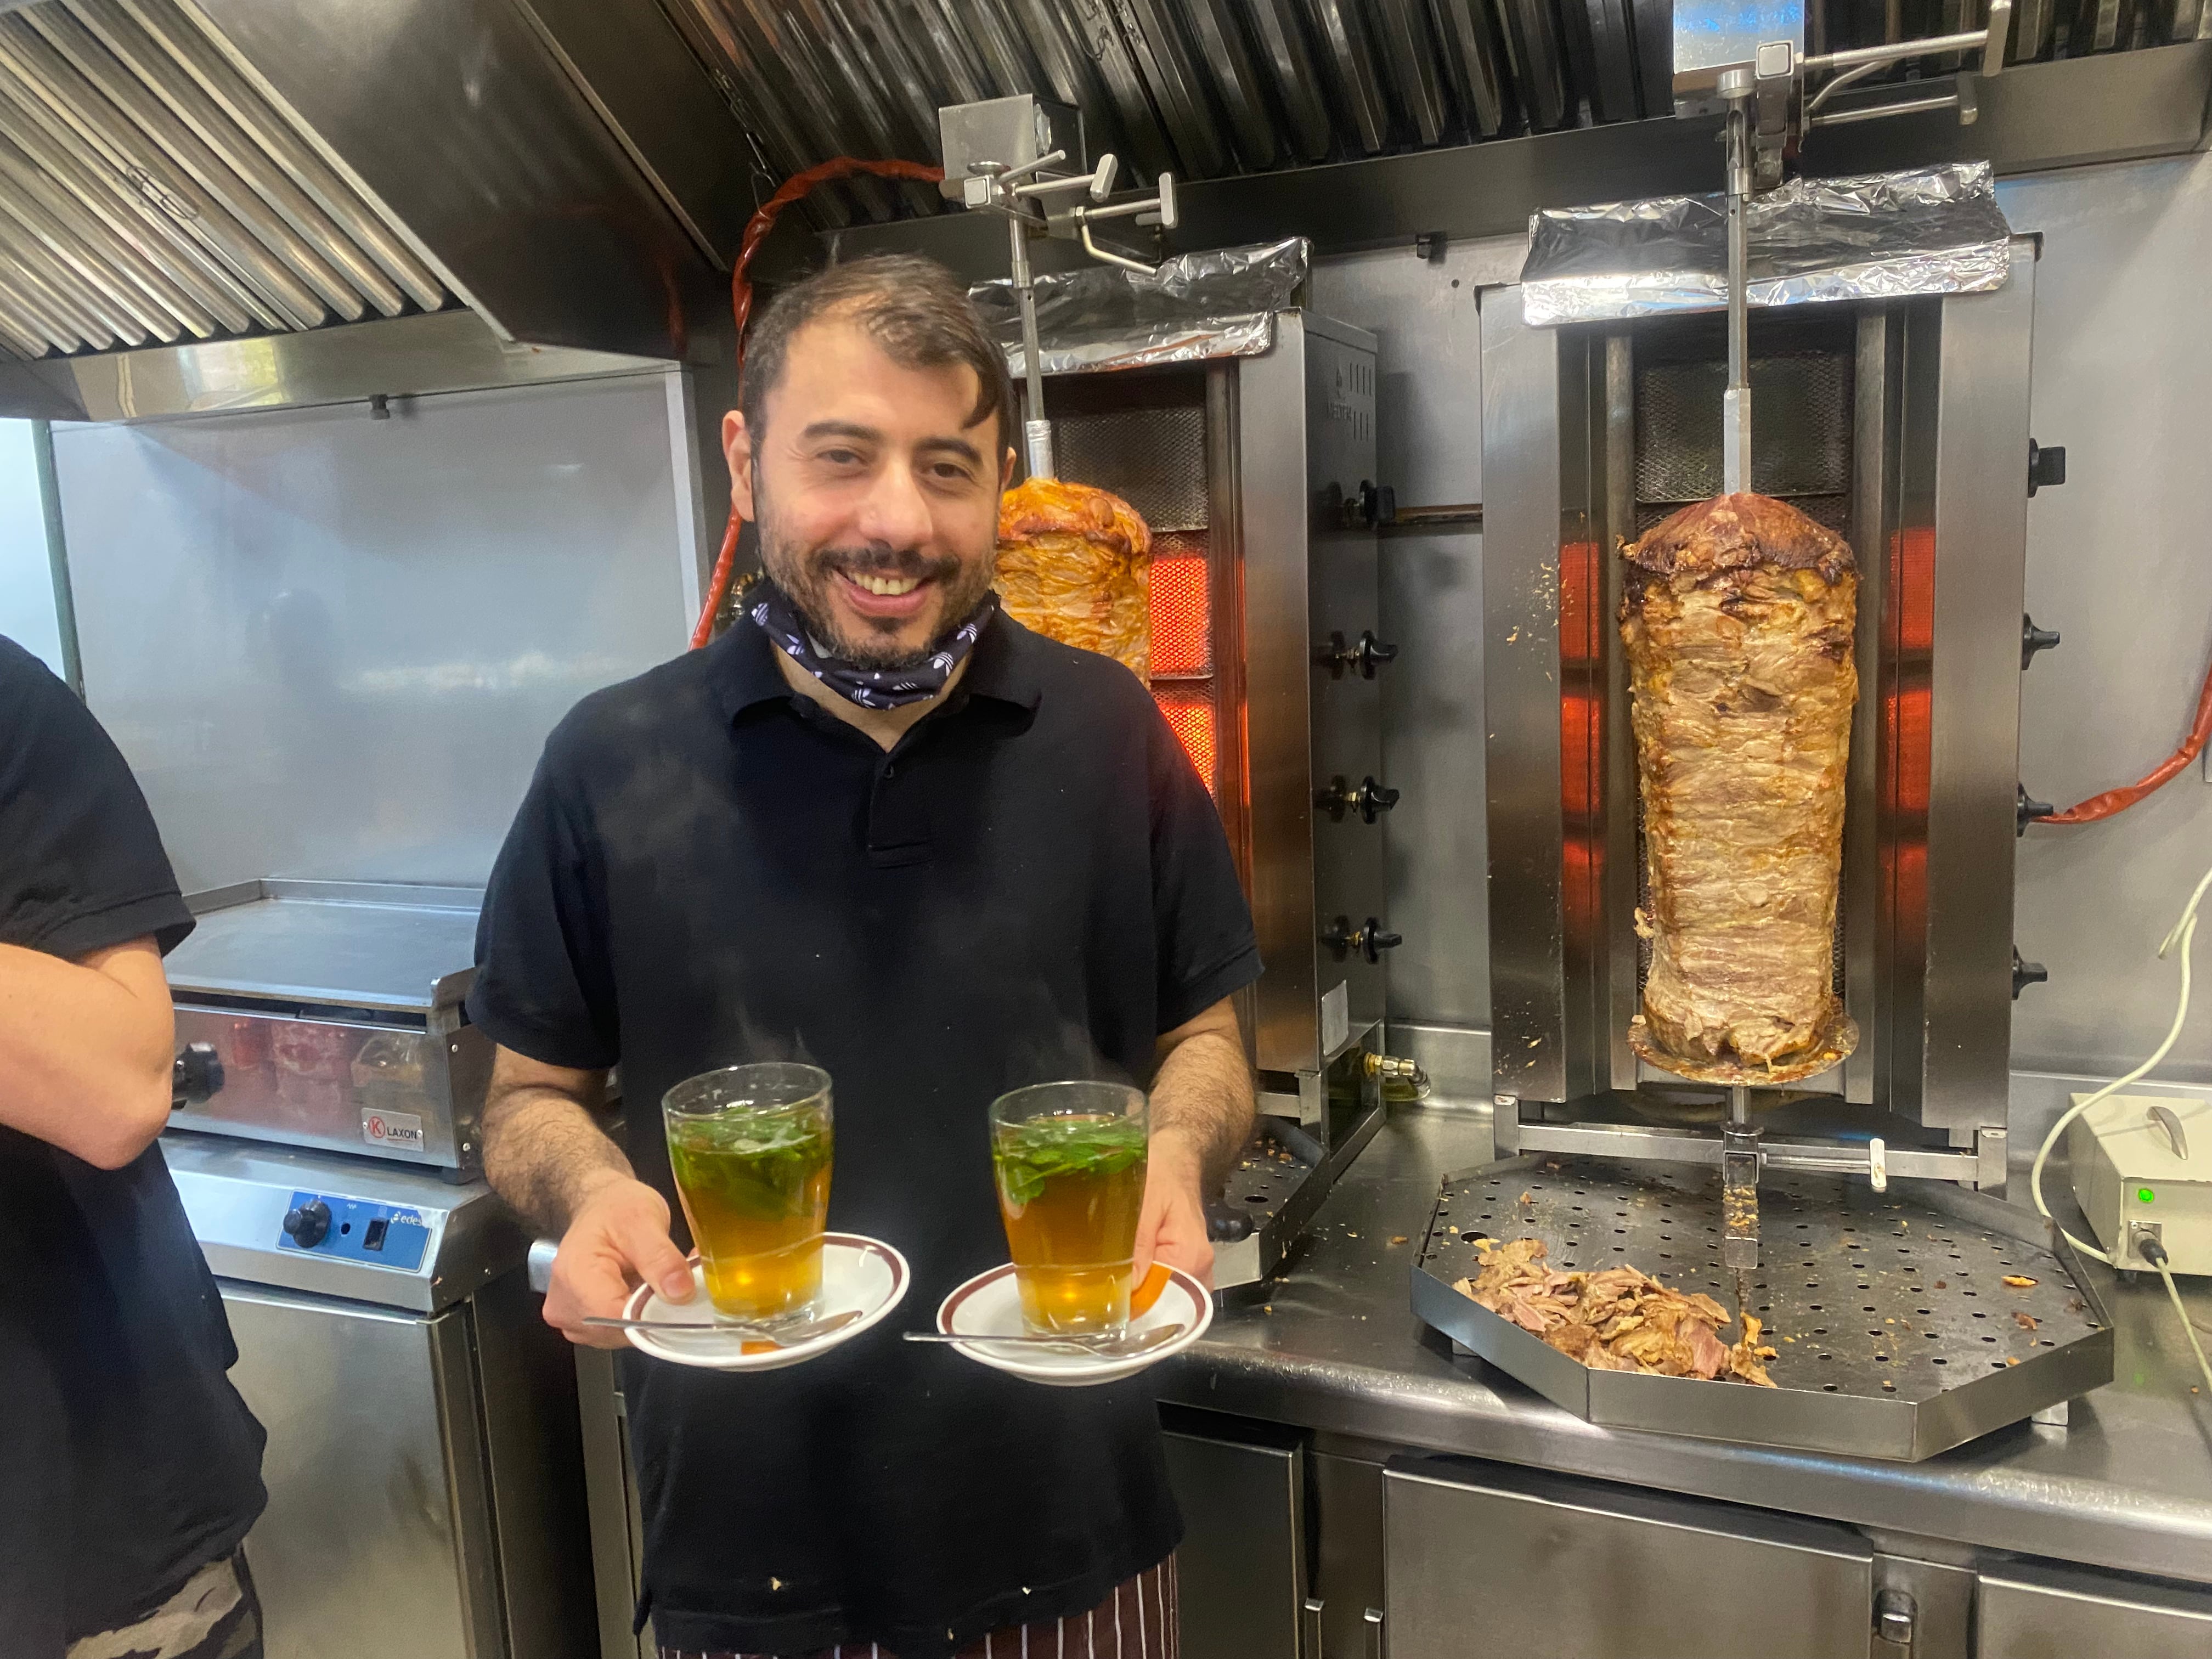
[881, 560]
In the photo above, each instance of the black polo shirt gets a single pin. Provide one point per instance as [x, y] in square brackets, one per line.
[127, 1461]
[1032, 885]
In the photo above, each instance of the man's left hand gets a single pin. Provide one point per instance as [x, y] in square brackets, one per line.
[1171, 1227]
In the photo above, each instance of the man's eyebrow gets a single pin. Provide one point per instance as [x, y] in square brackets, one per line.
[842, 429]
[960, 447]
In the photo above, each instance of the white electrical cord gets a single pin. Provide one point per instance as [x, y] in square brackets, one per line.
[2183, 934]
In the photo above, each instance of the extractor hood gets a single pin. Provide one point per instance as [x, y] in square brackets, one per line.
[242, 173]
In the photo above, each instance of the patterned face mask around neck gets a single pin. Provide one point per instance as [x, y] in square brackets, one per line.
[870, 688]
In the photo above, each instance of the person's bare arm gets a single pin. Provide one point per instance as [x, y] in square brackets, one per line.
[1202, 1105]
[545, 1156]
[86, 1049]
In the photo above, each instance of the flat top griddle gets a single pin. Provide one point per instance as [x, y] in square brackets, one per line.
[1895, 1334]
[351, 945]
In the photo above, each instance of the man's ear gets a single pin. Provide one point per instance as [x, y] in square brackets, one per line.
[737, 451]
[1006, 473]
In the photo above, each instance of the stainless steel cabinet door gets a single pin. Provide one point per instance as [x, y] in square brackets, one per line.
[375, 1541]
[1241, 1572]
[2033, 1613]
[1523, 1565]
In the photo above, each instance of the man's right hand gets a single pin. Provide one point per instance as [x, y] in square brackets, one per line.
[617, 1239]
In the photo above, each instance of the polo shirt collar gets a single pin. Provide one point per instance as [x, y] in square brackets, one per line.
[1001, 666]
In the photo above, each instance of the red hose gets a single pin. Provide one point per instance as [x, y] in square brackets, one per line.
[2114, 801]
[741, 309]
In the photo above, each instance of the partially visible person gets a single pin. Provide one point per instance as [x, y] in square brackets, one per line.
[129, 1468]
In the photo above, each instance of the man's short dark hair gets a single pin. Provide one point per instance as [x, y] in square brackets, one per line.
[912, 308]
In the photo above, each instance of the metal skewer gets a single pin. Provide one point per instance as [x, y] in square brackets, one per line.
[1737, 86]
[1739, 1161]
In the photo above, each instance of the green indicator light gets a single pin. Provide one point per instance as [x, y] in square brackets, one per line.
[2144, 1193]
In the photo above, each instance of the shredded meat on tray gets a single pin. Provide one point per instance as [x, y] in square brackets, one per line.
[1619, 1320]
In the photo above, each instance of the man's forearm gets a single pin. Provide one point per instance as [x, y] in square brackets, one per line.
[1202, 1102]
[85, 1051]
[544, 1155]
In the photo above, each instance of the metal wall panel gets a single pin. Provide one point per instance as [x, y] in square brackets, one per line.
[2116, 562]
[1428, 421]
[1980, 521]
[332, 645]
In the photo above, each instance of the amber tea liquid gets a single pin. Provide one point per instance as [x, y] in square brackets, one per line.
[756, 1189]
[1070, 1187]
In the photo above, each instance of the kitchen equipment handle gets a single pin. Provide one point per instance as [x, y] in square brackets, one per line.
[1310, 1629]
[1374, 1622]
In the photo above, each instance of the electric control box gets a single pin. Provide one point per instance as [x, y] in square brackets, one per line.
[2142, 1169]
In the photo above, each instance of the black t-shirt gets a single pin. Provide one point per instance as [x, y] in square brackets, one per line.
[1033, 885]
[127, 1461]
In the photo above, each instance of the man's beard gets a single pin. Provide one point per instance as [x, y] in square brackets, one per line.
[807, 579]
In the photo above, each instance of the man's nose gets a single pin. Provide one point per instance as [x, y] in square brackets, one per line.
[895, 513]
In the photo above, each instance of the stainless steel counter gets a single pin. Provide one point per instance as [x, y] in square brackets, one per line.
[2127, 1483]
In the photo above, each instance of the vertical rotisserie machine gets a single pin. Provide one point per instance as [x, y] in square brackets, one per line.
[1903, 425]
[1246, 445]
[1879, 387]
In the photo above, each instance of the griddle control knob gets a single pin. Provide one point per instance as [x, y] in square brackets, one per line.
[197, 1075]
[2025, 974]
[307, 1224]
[2032, 640]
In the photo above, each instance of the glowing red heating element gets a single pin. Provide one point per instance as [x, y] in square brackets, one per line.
[1182, 617]
[1182, 646]
[1190, 715]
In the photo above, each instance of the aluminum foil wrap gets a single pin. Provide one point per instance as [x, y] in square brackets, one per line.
[1219, 303]
[1936, 230]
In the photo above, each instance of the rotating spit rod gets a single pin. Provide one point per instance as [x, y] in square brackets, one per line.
[1739, 1161]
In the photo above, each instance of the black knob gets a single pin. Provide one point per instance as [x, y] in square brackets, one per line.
[2045, 466]
[1369, 799]
[307, 1224]
[2025, 974]
[2028, 810]
[2032, 640]
[1374, 938]
[1370, 505]
[1225, 1226]
[1373, 799]
[1372, 652]
[197, 1075]
[1370, 941]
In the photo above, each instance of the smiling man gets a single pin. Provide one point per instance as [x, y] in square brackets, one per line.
[878, 826]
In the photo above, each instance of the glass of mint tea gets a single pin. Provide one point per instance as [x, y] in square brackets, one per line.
[1068, 1159]
[749, 1147]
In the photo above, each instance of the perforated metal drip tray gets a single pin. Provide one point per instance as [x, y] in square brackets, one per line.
[1895, 1334]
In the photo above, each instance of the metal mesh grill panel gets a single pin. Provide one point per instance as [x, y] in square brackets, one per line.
[1801, 414]
[1152, 458]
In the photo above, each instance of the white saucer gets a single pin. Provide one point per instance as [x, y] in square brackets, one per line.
[861, 1275]
[989, 1305]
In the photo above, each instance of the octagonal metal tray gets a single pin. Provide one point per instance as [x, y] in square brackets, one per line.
[1895, 1333]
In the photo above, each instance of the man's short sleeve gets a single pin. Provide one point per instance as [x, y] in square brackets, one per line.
[81, 868]
[1204, 926]
[545, 987]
